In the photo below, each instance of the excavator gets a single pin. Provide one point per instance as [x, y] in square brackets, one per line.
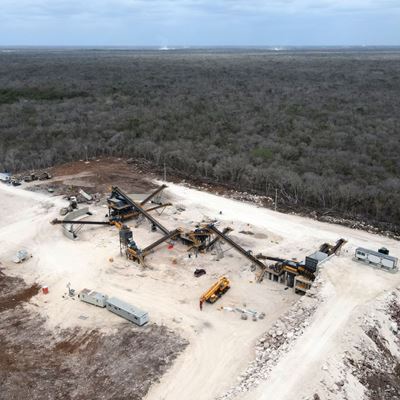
[215, 291]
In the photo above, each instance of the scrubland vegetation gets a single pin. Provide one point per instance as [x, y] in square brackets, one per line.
[321, 127]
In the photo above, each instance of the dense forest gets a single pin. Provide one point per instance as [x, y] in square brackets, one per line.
[323, 128]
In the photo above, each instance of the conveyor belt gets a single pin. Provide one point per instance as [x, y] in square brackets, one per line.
[170, 235]
[150, 196]
[277, 259]
[139, 208]
[338, 245]
[78, 222]
[215, 240]
[239, 248]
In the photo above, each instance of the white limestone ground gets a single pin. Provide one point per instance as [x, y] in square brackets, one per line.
[222, 346]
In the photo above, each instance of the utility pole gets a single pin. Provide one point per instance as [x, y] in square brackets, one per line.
[276, 198]
[165, 173]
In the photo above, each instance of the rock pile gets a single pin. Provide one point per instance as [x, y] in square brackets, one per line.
[260, 200]
[376, 362]
[360, 225]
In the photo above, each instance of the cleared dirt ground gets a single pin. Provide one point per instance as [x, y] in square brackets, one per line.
[96, 176]
[75, 363]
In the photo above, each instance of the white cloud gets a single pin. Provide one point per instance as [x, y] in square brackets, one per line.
[313, 5]
[112, 8]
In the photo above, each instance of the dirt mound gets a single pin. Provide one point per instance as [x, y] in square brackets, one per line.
[13, 292]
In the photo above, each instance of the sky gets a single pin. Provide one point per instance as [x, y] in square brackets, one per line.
[169, 23]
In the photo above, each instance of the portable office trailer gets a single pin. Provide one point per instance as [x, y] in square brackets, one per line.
[92, 297]
[376, 258]
[127, 311]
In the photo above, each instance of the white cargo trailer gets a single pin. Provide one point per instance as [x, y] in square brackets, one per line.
[92, 297]
[377, 259]
[127, 311]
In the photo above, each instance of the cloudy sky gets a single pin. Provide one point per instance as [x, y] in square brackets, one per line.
[199, 22]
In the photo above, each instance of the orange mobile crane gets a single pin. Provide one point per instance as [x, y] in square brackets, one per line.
[215, 291]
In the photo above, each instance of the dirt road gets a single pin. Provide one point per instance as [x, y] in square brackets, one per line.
[349, 286]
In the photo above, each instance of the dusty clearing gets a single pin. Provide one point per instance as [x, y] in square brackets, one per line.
[75, 363]
[96, 176]
[221, 345]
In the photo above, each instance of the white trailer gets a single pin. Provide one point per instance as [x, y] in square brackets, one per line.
[127, 311]
[377, 259]
[5, 177]
[92, 297]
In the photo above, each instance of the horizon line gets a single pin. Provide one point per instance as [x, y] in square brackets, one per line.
[183, 47]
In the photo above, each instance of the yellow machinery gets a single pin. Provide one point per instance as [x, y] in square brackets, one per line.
[201, 239]
[196, 239]
[134, 253]
[216, 291]
[118, 224]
